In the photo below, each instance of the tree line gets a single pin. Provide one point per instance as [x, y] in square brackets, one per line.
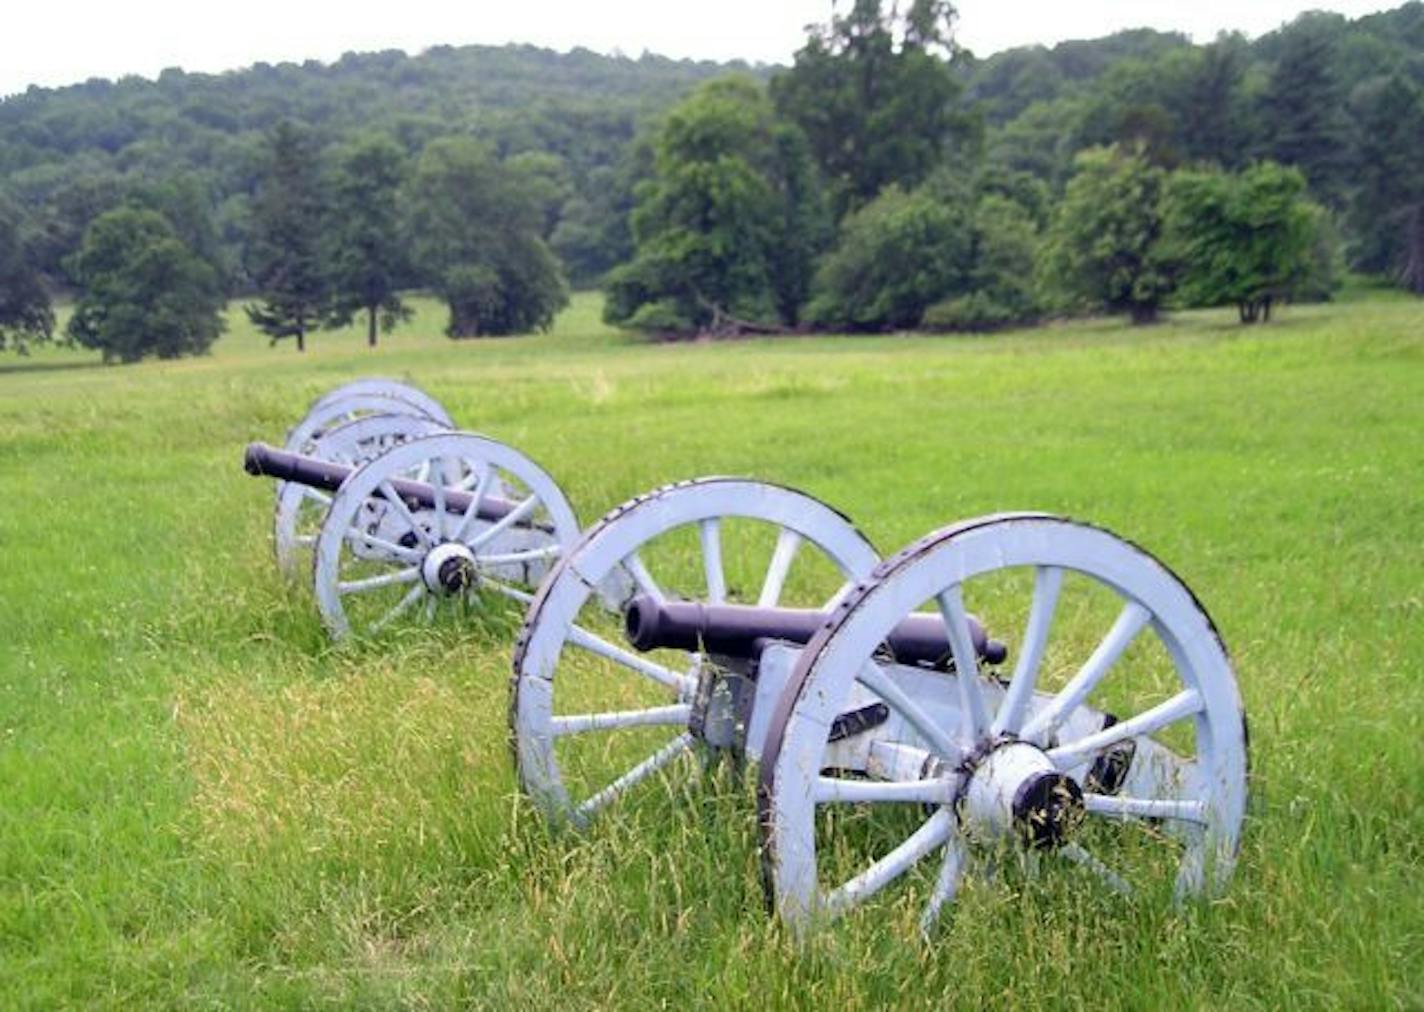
[856, 193]
[886, 179]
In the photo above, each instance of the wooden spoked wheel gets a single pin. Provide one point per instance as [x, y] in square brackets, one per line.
[496, 524]
[1118, 745]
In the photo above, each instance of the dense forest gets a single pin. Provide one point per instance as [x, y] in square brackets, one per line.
[721, 196]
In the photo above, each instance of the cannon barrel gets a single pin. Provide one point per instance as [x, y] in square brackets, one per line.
[262, 460]
[737, 630]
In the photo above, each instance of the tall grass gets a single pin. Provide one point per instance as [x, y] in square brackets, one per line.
[203, 803]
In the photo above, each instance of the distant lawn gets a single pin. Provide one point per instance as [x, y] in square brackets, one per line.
[203, 804]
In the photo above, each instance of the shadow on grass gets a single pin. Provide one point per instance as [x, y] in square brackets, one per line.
[18, 367]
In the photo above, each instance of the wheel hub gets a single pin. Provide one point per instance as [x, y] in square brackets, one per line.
[1016, 791]
[449, 569]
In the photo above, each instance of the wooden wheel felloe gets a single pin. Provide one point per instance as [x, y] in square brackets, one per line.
[377, 386]
[1118, 744]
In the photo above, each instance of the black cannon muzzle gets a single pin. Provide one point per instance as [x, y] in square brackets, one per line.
[736, 630]
[262, 460]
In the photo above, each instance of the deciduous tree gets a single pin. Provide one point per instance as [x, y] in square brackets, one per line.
[25, 314]
[1247, 239]
[728, 227]
[143, 292]
[476, 233]
[895, 257]
[362, 244]
[875, 95]
[1104, 247]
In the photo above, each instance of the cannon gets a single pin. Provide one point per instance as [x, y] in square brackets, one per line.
[350, 425]
[432, 520]
[901, 745]
[403, 515]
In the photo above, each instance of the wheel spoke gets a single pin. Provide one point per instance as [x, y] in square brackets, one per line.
[636, 775]
[503, 524]
[924, 792]
[946, 883]
[483, 473]
[1145, 808]
[1129, 623]
[523, 597]
[393, 550]
[1075, 853]
[1047, 581]
[376, 582]
[874, 679]
[394, 498]
[931, 834]
[403, 606]
[711, 531]
[430, 609]
[518, 558]
[577, 723]
[315, 496]
[1180, 706]
[787, 542]
[437, 485]
[643, 578]
[974, 714]
[581, 637]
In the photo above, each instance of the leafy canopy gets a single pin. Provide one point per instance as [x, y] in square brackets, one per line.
[1244, 239]
[362, 247]
[25, 313]
[727, 229]
[876, 97]
[144, 291]
[476, 234]
[895, 257]
[1103, 249]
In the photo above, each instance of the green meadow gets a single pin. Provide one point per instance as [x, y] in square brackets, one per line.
[205, 804]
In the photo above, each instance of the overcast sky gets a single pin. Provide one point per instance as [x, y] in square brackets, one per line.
[53, 42]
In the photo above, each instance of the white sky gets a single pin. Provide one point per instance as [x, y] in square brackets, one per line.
[54, 42]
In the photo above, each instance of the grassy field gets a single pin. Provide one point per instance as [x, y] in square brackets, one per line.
[203, 804]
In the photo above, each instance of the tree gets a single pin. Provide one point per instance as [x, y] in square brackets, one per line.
[362, 244]
[289, 213]
[1103, 249]
[476, 235]
[895, 257]
[1302, 108]
[25, 313]
[1247, 239]
[876, 97]
[727, 229]
[1387, 204]
[143, 291]
[998, 290]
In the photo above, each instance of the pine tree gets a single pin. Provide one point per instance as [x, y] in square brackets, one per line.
[288, 218]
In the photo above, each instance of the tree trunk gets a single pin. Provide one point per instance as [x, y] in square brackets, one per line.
[1266, 309]
[1143, 313]
[370, 326]
[1412, 273]
[301, 337]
